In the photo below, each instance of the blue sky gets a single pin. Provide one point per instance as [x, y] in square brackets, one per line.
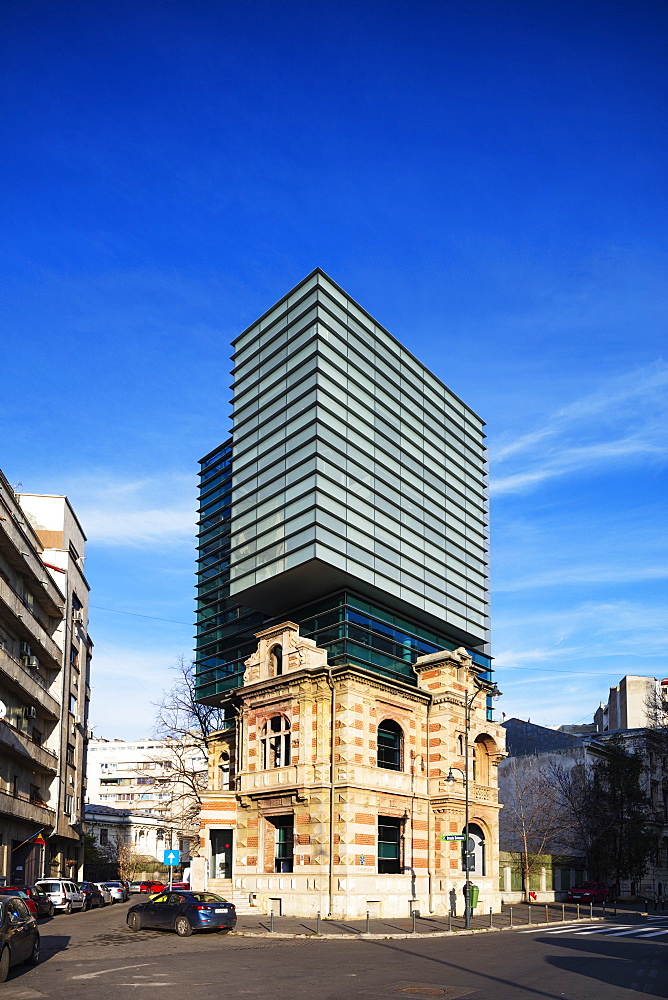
[488, 179]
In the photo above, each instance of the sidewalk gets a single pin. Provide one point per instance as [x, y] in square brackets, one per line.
[520, 914]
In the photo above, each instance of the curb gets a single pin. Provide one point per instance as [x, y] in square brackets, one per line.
[407, 936]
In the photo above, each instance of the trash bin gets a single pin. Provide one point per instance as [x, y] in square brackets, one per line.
[474, 892]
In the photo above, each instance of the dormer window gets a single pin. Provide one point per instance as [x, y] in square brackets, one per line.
[276, 661]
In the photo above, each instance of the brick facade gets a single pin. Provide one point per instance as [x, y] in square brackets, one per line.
[307, 831]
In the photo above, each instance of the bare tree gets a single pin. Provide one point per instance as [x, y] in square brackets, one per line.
[125, 858]
[185, 724]
[530, 823]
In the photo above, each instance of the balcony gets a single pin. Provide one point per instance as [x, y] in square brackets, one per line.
[19, 744]
[31, 687]
[22, 807]
[24, 621]
[14, 541]
[477, 793]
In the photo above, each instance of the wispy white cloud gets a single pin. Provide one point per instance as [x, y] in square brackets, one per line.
[622, 422]
[152, 511]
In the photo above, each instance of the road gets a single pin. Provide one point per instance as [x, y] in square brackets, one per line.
[90, 956]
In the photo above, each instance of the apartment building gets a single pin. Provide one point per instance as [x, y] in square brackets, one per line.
[45, 654]
[158, 778]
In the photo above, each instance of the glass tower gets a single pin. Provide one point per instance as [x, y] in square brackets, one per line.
[351, 499]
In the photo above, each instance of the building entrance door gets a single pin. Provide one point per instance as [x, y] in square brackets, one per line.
[221, 853]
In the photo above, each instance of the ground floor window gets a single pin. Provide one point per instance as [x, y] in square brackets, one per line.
[284, 843]
[473, 851]
[389, 845]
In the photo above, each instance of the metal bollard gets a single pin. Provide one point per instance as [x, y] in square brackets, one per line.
[529, 920]
[414, 915]
[367, 921]
[450, 921]
[591, 910]
[563, 911]
[317, 923]
[511, 916]
[271, 923]
[577, 911]
[547, 915]
[491, 919]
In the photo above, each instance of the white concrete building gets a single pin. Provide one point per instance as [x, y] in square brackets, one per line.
[148, 777]
[45, 654]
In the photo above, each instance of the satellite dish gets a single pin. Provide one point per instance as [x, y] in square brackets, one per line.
[3, 710]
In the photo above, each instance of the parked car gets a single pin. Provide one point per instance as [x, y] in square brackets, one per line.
[118, 891]
[40, 899]
[589, 892]
[106, 893]
[63, 893]
[13, 890]
[150, 887]
[19, 937]
[181, 885]
[92, 895]
[183, 912]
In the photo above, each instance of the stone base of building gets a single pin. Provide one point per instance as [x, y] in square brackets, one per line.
[353, 896]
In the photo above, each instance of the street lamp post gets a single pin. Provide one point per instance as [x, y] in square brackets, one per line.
[492, 690]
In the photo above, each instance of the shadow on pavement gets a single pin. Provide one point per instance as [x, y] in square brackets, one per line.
[616, 964]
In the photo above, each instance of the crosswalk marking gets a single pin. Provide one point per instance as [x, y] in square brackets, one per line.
[640, 931]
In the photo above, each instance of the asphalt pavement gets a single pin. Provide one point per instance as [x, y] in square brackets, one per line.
[92, 956]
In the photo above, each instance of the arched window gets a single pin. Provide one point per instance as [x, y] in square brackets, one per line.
[473, 851]
[224, 771]
[276, 660]
[276, 742]
[480, 761]
[460, 745]
[390, 739]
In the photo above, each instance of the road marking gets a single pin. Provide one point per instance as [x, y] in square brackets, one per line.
[541, 929]
[616, 929]
[116, 968]
[647, 934]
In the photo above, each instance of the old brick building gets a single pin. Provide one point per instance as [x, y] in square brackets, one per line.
[328, 791]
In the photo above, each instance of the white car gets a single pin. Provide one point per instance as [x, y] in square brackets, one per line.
[63, 893]
[106, 892]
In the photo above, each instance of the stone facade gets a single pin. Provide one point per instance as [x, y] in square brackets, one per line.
[327, 792]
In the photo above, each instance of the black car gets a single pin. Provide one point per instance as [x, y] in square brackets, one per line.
[184, 912]
[40, 899]
[19, 937]
[92, 895]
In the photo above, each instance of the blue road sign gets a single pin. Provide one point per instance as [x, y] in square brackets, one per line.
[172, 857]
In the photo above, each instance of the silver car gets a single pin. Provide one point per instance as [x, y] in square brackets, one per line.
[106, 892]
[118, 891]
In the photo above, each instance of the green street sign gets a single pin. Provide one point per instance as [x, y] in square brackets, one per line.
[453, 836]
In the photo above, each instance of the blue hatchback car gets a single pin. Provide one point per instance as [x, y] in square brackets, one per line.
[183, 912]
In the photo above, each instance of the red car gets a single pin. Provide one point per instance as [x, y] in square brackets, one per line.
[181, 885]
[589, 892]
[150, 887]
[12, 890]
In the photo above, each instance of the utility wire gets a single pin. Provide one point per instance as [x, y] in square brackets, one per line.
[135, 614]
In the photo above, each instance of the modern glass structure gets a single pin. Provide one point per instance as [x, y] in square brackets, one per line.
[351, 499]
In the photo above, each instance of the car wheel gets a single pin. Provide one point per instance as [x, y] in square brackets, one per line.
[51, 910]
[134, 922]
[183, 927]
[224, 930]
[4, 965]
[88, 905]
[33, 959]
[68, 906]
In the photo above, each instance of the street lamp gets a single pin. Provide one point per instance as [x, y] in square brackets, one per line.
[493, 691]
